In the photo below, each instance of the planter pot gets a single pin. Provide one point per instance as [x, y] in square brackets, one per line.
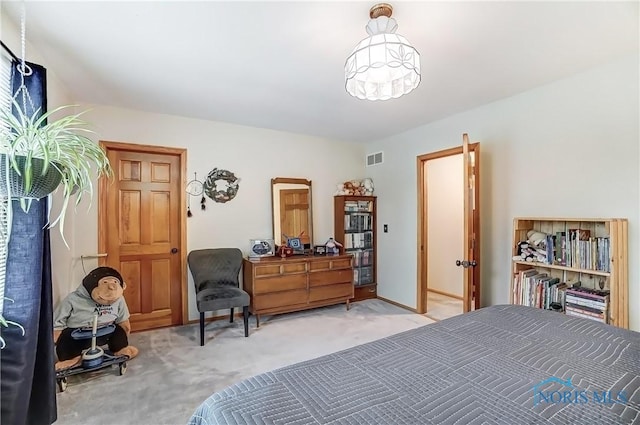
[41, 185]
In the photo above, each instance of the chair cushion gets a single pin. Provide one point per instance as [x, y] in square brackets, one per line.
[221, 297]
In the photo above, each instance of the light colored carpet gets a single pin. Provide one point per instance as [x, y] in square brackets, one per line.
[440, 307]
[173, 374]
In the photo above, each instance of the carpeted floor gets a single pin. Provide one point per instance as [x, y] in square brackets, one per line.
[440, 307]
[173, 374]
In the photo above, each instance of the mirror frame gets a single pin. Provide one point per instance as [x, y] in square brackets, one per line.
[289, 180]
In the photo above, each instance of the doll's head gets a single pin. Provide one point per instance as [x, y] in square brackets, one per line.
[105, 285]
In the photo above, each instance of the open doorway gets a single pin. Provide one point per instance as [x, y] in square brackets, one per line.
[448, 240]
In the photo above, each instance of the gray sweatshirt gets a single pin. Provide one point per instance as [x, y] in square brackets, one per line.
[78, 308]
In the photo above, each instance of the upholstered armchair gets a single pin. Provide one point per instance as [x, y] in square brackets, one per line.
[215, 275]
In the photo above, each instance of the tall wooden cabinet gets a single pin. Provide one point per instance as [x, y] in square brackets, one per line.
[592, 252]
[355, 228]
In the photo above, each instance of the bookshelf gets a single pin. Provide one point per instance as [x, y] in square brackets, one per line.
[355, 228]
[581, 268]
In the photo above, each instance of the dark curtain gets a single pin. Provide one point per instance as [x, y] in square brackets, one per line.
[27, 374]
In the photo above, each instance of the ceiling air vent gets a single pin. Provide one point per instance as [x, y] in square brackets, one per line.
[374, 159]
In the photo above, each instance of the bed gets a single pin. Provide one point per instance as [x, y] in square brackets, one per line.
[502, 364]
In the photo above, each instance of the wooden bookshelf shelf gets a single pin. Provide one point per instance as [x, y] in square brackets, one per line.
[556, 267]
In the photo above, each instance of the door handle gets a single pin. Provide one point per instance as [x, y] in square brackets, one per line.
[174, 250]
[466, 264]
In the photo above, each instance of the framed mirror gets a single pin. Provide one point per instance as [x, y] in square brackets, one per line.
[292, 210]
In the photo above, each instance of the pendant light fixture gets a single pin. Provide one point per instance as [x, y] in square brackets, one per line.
[384, 65]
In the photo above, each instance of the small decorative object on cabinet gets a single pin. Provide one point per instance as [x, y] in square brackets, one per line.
[575, 265]
[355, 229]
[319, 250]
[333, 247]
[261, 248]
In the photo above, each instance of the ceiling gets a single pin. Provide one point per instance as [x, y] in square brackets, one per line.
[280, 65]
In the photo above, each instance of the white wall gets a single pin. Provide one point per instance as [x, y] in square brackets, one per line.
[254, 155]
[567, 149]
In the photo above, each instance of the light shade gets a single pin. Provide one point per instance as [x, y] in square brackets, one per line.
[384, 65]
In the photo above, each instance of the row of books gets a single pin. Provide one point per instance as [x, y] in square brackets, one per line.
[588, 303]
[363, 240]
[362, 258]
[535, 289]
[577, 248]
[358, 222]
[358, 206]
[363, 276]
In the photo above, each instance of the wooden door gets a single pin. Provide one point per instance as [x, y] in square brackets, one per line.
[471, 238]
[142, 231]
[470, 225]
[294, 213]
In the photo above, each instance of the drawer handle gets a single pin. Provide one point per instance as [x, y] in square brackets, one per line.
[372, 290]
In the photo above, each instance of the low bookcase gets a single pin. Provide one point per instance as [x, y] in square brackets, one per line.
[581, 267]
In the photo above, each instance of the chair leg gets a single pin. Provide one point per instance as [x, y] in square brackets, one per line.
[231, 316]
[201, 329]
[245, 313]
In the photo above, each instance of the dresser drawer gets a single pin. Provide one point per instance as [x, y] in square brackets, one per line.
[294, 268]
[330, 264]
[324, 264]
[342, 290]
[342, 263]
[280, 299]
[278, 269]
[331, 277]
[280, 283]
[267, 270]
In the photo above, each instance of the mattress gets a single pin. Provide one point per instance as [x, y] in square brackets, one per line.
[502, 364]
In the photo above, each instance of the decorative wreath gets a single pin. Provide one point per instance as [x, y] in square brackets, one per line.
[211, 188]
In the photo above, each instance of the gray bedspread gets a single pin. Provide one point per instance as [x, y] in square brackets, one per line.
[503, 364]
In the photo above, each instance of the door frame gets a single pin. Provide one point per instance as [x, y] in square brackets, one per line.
[422, 284]
[103, 188]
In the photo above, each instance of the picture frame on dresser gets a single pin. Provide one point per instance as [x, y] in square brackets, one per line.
[319, 250]
[259, 248]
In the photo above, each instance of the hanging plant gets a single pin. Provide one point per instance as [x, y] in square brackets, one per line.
[37, 155]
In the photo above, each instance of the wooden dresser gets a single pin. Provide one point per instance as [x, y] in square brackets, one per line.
[278, 285]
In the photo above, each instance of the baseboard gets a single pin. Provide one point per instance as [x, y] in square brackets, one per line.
[435, 291]
[413, 310]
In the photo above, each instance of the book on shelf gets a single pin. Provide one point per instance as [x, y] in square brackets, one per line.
[560, 249]
[587, 314]
[358, 206]
[362, 258]
[582, 250]
[362, 240]
[534, 289]
[595, 294]
[358, 222]
[589, 303]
